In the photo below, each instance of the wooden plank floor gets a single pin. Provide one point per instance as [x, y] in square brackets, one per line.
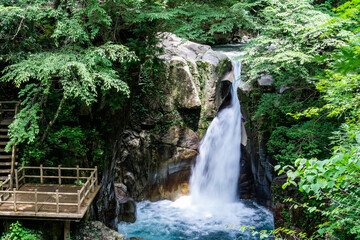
[48, 211]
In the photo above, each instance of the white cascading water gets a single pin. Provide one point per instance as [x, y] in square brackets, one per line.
[213, 202]
[215, 176]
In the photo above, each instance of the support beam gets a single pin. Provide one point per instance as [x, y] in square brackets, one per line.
[67, 230]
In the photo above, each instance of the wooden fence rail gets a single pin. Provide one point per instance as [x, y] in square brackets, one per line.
[32, 196]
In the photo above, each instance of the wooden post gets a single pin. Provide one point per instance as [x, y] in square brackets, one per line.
[14, 190]
[16, 108]
[96, 176]
[12, 159]
[23, 172]
[36, 201]
[10, 181]
[41, 174]
[92, 182]
[77, 174]
[16, 180]
[79, 201]
[59, 171]
[67, 230]
[57, 200]
[2, 189]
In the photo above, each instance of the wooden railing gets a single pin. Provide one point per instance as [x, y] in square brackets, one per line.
[21, 177]
[4, 187]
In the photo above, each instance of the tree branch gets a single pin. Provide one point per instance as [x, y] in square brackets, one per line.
[22, 20]
[51, 123]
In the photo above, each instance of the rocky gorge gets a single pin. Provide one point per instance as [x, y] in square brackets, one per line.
[196, 119]
[155, 164]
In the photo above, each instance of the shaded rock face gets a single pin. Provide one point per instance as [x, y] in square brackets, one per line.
[157, 165]
[285, 215]
[256, 173]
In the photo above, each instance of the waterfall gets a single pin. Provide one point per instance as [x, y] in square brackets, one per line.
[213, 203]
[216, 173]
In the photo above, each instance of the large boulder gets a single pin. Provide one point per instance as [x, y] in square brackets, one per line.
[198, 77]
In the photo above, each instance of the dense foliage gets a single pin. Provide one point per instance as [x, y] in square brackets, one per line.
[335, 181]
[57, 55]
[293, 34]
[312, 113]
[18, 232]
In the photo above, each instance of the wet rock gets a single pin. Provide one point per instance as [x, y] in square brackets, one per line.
[235, 36]
[126, 206]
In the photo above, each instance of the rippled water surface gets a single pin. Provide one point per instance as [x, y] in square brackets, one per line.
[182, 219]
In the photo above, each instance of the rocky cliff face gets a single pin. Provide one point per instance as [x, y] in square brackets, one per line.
[155, 163]
[153, 156]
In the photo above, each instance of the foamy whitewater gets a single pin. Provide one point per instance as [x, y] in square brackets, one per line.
[215, 176]
[212, 210]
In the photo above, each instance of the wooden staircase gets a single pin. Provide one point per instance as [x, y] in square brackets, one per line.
[8, 110]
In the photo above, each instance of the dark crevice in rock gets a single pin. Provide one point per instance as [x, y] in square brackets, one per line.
[227, 99]
[147, 127]
[246, 182]
[190, 117]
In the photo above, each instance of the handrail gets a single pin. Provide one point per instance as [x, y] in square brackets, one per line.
[9, 102]
[4, 195]
[62, 168]
[20, 177]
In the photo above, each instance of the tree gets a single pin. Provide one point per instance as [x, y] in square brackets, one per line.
[335, 181]
[57, 56]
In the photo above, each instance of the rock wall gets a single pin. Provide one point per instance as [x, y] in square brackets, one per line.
[155, 164]
[152, 157]
[256, 173]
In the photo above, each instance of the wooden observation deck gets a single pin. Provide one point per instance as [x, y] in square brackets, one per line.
[41, 192]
